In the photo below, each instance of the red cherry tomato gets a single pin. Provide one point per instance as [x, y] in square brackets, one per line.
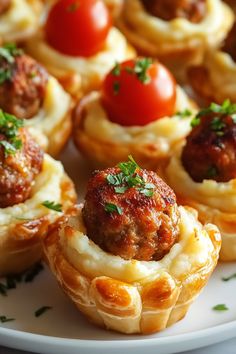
[138, 92]
[78, 27]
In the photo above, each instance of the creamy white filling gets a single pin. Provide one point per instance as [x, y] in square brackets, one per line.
[190, 253]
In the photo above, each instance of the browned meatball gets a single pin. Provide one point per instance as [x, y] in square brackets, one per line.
[193, 10]
[4, 6]
[230, 43]
[210, 150]
[132, 222]
[23, 87]
[18, 170]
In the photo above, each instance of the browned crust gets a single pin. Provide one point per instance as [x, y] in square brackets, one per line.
[200, 81]
[146, 307]
[21, 246]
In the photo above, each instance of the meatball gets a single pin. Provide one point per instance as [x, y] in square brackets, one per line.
[230, 43]
[193, 10]
[4, 6]
[23, 90]
[210, 150]
[18, 170]
[132, 222]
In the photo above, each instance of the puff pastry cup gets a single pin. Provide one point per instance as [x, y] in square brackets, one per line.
[20, 21]
[214, 196]
[52, 125]
[30, 93]
[105, 143]
[214, 79]
[114, 7]
[129, 295]
[177, 41]
[34, 190]
[80, 75]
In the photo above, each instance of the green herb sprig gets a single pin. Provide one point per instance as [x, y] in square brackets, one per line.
[110, 208]
[8, 52]
[9, 126]
[220, 307]
[230, 277]
[42, 310]
[52, 205]
[186, 113]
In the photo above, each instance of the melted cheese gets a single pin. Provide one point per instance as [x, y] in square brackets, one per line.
[95, 66]
[190, 253]
[164, 132]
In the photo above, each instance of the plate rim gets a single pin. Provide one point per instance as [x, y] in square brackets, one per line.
[207, 334]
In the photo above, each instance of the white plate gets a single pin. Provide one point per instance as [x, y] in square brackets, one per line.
[62, 330]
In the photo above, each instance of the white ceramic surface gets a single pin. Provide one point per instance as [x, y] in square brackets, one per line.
[62, 330]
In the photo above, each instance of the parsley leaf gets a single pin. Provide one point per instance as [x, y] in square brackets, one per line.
[8, 52]
[220, 307]
[52, 205]
[9, 126]
[184, 114]
[116, 87]
[42, 310]
[121, 190]
[116, 70]
[4, 319]
[140, 68]
[110, 208]
[195, 122]
[229, 277]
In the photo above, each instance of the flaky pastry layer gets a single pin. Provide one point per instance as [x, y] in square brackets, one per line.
[52, 125]
[21, 21]
[132, 296]
[24, 225]
[214, 201]
[105, 143]
[178, 39]
[79, 75]
[215, 78]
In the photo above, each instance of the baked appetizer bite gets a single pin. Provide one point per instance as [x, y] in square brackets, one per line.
[129, 257]
[140, 110]
[203, 171]
[28, 91]
[215, 78]
[19, 19]
[34, 190]
[79, 45]
[175, 31]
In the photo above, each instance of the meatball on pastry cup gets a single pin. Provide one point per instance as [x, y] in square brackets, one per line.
[24, 225]
[79, 75]
[105, 143]
[20, 21]
[132, 296]
[214, 201]
[51, 126]
[177, 41]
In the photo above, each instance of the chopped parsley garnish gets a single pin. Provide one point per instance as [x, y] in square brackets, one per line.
[232, 276]
[217, 126]
[8, 52]
[73, 7]
[212, 172]
[220, 307]
[52, 205]
[9, 126]
[116, 87]
[11, 281]
[195, 122]
[140, 69]
[42, 310]
[116, 70]
[129, 178]
[184, 114]
[111, 208]
[4, 319]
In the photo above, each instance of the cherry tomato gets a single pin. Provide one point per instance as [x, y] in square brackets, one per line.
[138, 92]
[78, 27]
